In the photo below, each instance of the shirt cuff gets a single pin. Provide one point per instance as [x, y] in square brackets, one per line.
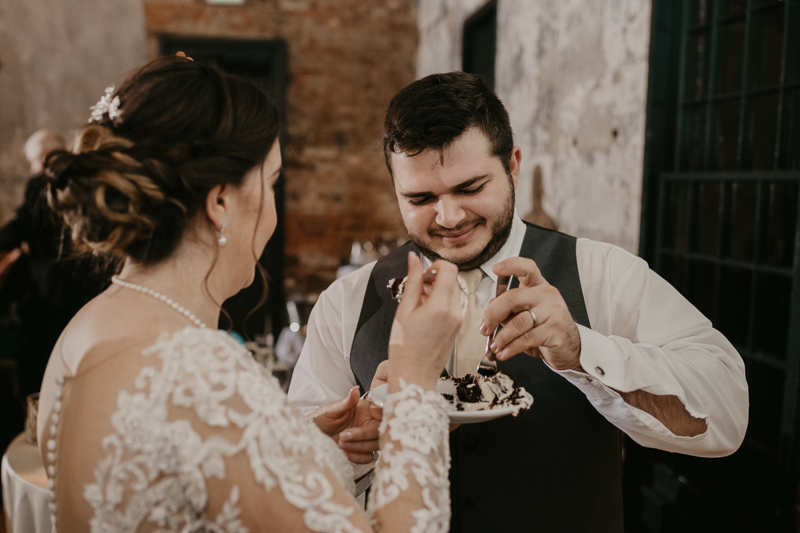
[593, 388]
[601, 361]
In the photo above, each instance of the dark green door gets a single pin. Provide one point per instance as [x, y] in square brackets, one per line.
[720, 222]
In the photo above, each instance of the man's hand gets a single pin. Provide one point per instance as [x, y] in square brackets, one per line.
[353, 424]
[552, 336]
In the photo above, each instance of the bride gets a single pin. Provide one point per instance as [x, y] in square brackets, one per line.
[153, 420]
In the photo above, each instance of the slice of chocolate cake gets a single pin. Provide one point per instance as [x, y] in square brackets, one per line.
[468, 388]
[480, 393]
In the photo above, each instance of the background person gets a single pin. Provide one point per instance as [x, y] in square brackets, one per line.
[46, 284]
[38, 145]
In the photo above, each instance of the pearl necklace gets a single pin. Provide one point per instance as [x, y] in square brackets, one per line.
[161, 297]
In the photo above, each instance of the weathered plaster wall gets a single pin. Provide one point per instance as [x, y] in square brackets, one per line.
[56, 57]
[441, 24]
[573, 76]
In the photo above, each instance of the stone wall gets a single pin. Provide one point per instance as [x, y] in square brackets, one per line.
[573, 76]
[347, 58]
[56, 57]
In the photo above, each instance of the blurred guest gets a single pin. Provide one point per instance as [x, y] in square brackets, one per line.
[39, 145]
[44, 284]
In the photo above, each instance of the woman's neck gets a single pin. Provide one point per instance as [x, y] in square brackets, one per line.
[186, 278]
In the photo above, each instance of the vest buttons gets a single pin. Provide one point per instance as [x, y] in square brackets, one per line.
[471, 444]
[471, 501]
[600, 371]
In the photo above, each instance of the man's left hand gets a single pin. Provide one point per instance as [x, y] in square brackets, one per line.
[353, 424]
[552, 335]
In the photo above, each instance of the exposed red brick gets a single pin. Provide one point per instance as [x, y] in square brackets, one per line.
[347, 58]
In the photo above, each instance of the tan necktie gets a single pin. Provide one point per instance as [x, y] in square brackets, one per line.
[470, 344]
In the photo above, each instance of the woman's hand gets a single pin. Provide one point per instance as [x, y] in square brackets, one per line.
[353, 424]
[424, 328]
[381, 375]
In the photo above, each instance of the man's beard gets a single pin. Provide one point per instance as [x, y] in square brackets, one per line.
[500, 233]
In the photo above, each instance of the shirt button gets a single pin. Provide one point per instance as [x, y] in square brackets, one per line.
[600, 371]
[471, 501]
[471, 445]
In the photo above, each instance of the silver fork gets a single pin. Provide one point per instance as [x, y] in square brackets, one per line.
[488, 363]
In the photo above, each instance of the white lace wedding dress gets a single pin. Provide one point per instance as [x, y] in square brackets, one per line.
[190, 434]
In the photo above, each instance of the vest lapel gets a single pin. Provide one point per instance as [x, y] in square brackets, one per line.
[371, 341]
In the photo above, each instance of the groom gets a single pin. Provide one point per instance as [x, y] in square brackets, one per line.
[601, 342]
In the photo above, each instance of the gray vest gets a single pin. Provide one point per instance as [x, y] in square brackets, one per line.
[555, 468]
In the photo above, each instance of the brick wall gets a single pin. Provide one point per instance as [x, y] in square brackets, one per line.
[347, 58]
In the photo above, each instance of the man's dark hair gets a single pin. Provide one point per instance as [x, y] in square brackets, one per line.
[434, 111]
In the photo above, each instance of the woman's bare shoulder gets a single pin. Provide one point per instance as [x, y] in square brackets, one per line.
[105, 328]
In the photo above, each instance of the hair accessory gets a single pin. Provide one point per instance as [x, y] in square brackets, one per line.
[106, 105]
[222, 238]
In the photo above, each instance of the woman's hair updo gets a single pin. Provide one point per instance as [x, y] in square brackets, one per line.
[134, 180]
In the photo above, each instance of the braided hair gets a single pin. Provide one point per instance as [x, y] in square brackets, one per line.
[133, 181]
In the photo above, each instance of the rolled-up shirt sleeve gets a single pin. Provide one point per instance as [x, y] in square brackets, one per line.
[646, 336]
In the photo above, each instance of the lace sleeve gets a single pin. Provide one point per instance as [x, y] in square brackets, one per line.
[411, 488]
[207, 441]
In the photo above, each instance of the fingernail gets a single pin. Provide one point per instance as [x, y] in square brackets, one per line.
[501, 355]
[483, 328]
[493, 347]
[344, 435]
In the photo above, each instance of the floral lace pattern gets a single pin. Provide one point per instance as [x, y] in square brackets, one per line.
[158, 466]
[157, 463]
[416, 422]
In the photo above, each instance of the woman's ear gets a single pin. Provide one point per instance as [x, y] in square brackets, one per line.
[217, 205]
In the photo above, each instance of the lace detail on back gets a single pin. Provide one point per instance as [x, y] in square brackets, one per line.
[157, 463]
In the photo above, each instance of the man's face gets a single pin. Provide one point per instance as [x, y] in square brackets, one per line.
[457, 204]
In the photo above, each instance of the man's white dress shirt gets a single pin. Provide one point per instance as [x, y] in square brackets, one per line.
[644, 336]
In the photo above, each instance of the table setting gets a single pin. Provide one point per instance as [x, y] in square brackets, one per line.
[26, 494]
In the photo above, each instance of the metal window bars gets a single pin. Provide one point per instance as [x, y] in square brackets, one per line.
[727, 227]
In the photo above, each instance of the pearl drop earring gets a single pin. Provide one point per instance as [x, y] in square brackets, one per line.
[222, 238]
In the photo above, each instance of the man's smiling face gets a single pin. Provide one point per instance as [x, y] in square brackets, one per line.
[457, 204]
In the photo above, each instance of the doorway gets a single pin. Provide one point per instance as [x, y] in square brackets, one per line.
[265, 63]
[720, 222]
